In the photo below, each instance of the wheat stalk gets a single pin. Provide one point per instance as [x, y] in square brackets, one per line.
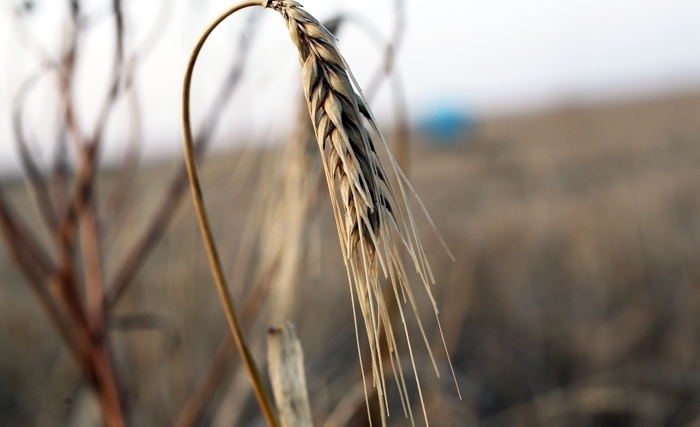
[261, 395]
[369, 215]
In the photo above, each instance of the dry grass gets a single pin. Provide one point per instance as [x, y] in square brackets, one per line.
[576, 238]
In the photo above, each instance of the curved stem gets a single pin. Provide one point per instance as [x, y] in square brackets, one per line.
[214, 263]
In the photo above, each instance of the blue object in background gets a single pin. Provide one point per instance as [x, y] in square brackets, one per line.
[447, 123]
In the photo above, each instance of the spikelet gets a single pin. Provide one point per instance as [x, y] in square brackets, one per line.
[369, 215]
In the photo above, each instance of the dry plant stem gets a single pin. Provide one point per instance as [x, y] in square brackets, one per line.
[90, 351]
[40, 271]
[67, 214]
[86, 335]
[107, 387]
[85, 215]
[70, 214]
[227, 301]
[18, 242]
[89, 239]
[86, 197]
[286, 366]
[86, 212]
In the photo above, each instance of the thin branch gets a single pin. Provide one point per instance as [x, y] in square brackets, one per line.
[93, 363]
[40, 259]
[85, 196]
[91, 254]
[20, 242]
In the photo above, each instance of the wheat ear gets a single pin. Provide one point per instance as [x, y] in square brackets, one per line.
[368, 212]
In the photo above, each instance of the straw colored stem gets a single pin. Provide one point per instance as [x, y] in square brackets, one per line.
[286, 366]
[226, 299]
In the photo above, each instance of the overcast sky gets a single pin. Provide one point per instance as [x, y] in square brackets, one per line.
[492, 57]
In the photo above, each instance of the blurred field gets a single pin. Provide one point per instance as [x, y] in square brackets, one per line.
[574, 300]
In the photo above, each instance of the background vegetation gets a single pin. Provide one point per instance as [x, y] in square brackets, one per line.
[573, 300]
